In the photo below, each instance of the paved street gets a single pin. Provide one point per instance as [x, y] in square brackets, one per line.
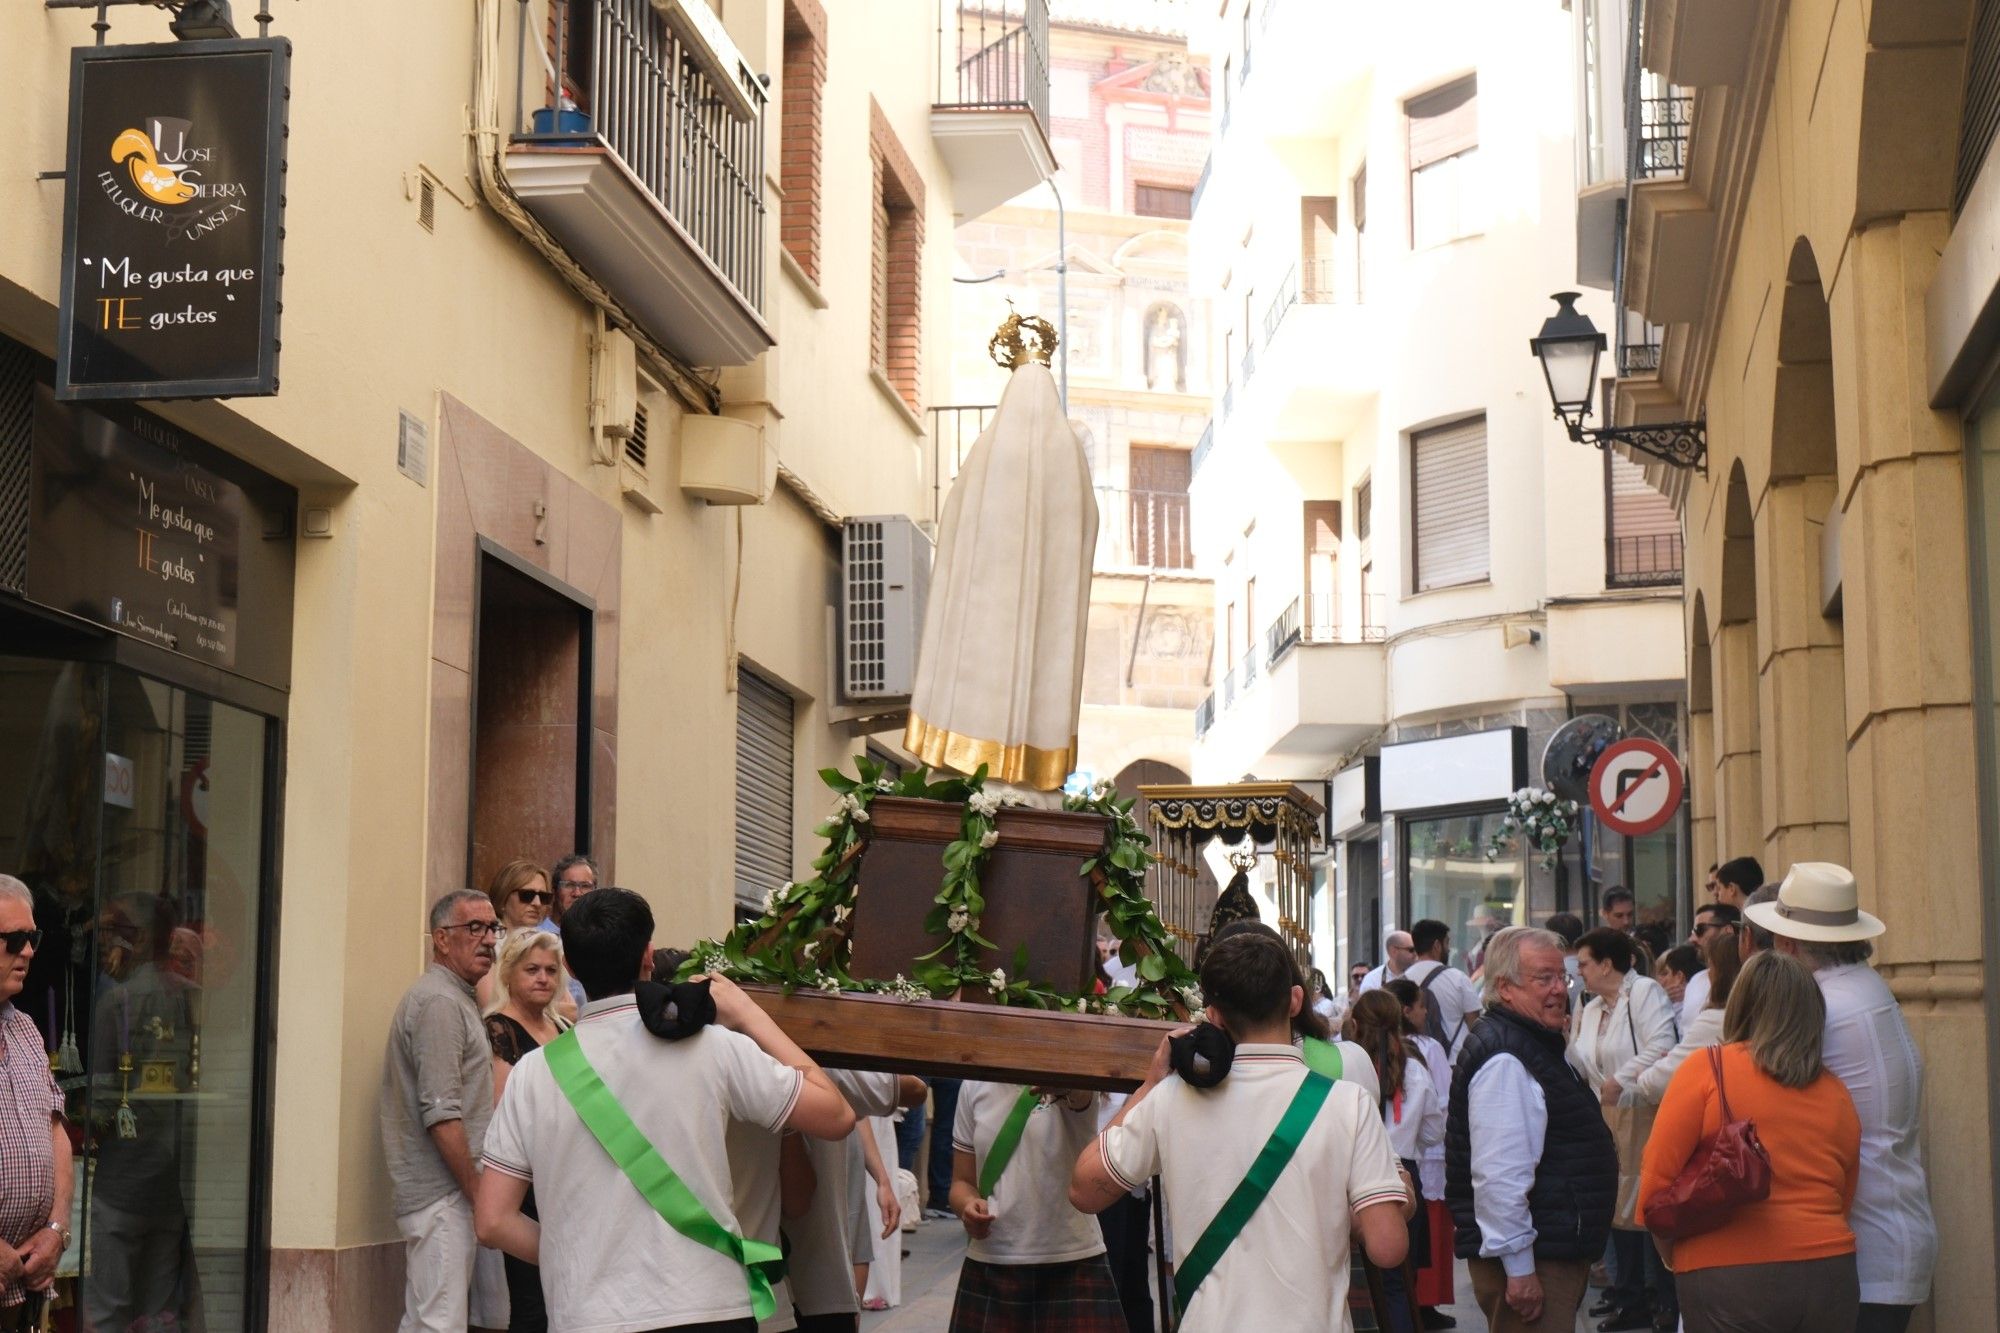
[930, 1276]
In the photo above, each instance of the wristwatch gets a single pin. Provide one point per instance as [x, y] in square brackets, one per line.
[61, 1231]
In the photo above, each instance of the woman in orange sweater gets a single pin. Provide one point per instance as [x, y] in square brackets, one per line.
[1786, 1263]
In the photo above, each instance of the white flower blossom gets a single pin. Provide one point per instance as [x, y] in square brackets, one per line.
[771, 900]
[841, 913]
[829, 984]
[997, 978]
[958, 921]
[811, 951]
[860, 814]
[1191, 997]
[983, 803]
[988, 839]
[883, 784]
[1101, 789]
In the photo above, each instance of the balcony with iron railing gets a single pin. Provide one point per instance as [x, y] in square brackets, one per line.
[1643, 560]
[991, 116]
[1660, 135]
[645, 160]
[954, 429]
[1310, 685]
[1202, 450]
[1316, 361]
[1143, 529]
[1204, 716]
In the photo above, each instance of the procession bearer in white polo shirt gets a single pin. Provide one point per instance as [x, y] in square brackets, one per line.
[1034, 1264]
[622, 1136]
[1267, 1175]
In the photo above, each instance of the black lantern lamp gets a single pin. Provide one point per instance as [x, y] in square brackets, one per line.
[1569, 348]
[202, 20]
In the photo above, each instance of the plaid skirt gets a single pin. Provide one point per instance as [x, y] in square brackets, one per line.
[1077, 1297]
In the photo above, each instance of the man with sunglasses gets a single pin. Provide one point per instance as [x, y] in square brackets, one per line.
[35, 1168]
[1708, 918]
[437, 1097]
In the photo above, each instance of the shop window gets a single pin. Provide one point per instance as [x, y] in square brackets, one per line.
[1451, 878]
[1443, 131]
[1450, 544]
[141, 817]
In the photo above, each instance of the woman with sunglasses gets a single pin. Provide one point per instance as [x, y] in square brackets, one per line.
[521, 898]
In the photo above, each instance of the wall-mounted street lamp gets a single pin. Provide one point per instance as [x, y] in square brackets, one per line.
[193, 20]
[1569, 349]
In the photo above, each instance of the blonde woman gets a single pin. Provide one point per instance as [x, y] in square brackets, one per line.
[522, 899]
[1787, 1261]
[528, 984]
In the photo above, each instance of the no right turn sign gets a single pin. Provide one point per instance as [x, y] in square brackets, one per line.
[1636, 787]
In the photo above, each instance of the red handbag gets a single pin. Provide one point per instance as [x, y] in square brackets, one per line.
[1728, 1169]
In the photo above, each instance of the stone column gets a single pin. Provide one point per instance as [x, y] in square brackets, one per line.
[1739, 801]
[1803, 690]
[1912, 789]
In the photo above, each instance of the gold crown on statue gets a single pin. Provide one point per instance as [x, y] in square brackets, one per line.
[1244, 858]
[1021, 340]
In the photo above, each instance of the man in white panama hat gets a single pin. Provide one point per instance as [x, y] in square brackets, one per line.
[1817, 918]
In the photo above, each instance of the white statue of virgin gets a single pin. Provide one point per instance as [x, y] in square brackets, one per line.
[1000, 670]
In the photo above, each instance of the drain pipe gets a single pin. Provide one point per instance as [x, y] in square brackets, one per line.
[1139, 629]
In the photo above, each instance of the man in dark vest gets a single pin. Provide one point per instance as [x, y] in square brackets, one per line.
[1531, 1172]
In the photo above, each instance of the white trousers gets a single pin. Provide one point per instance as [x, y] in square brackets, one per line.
[437, 1265]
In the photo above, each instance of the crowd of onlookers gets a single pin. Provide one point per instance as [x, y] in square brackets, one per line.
[570, 1129]
[1615, 1055]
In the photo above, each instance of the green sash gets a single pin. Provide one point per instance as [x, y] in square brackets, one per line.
[1004, 1143]
[1323, 1057]
[1236, 1212]
[649, 1173]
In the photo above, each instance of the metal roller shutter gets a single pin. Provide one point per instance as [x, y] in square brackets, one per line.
[1980, 120]
[764, 720]
[17, 415]
[1448, 492]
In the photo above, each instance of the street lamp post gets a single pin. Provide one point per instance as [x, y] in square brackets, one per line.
[1569, 348]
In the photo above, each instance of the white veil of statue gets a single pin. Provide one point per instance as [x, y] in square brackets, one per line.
[1000, 670]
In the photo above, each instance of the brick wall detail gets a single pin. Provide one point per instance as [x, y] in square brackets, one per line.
[800, 147]
[897, 301]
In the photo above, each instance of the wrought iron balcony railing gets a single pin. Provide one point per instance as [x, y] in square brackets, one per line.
[1202, 450]
[1664, 125]
[1002, 55]
[1643, 560]
[1204, 716]
[1139, 529]
[633, 84]
[954, 429]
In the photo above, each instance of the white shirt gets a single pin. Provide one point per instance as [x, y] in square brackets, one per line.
[1623, 1039]
[1868, 1048]
[1651, 1085]
[1452, 996]
[1288, 1268]
[1507, 1115]
[754, 1190]
[820, 1267]
[1376, 975]
[1418, 1124]
[1430, 1164]
[1033, 1222]
[1694, 998]
[609, 1263]
[1355, 1066]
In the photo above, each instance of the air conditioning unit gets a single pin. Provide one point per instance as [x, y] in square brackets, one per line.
[885, 576]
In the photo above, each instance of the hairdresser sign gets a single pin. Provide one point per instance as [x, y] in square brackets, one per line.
[173, 220]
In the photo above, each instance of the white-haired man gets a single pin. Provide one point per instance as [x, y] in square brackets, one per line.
[1531, 1172]
[35, 1167]
[437, 1097]
[1816, 917]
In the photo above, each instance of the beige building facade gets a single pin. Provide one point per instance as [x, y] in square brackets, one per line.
[1815, 259]
[577, 389]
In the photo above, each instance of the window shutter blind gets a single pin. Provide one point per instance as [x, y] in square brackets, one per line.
[1448, 484]
[1443, 123]
[1980, 120]
[763, 787]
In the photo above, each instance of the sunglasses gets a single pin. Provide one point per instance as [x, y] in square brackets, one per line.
[534, 895]
[17, 940]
